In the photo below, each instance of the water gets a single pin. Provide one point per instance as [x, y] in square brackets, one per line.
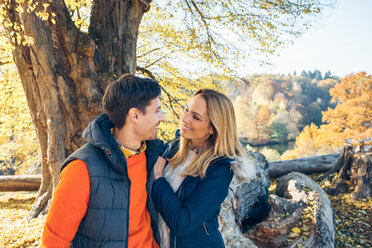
[281, 148]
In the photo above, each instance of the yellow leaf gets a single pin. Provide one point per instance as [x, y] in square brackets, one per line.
[292, 235]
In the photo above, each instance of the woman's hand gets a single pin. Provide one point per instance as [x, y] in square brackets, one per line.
[159, 167]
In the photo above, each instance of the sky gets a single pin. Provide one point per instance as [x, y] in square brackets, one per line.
[340, 40]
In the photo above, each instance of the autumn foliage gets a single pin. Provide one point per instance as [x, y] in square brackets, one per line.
[315, 141]
[18, 143]
[349, 122]
[274, 108]
[352, 117]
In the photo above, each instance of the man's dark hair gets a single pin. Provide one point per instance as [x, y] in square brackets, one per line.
[128, 92]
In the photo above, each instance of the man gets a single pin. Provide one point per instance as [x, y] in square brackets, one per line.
[101, 198]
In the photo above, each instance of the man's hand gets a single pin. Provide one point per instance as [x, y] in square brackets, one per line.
[159, 167]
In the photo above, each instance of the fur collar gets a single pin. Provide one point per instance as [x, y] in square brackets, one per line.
[244, 170]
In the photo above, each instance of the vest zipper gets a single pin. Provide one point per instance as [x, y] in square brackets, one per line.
[175, 238]
[205, 228]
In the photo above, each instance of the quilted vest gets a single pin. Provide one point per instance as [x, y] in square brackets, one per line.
[106, 220]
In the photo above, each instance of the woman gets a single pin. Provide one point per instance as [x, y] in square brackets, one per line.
[201, 165]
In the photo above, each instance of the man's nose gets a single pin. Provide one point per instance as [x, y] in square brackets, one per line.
[161, 117]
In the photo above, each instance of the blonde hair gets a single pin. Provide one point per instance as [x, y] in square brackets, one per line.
[223, 142]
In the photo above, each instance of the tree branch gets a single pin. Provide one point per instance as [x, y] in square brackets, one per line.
[171, 99]
[157, 60]
[5, 62]
[151, 51]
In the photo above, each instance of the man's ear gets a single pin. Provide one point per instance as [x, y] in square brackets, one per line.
[133, 114]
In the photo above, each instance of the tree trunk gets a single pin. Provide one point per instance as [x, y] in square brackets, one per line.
[343, 159]
[361, 176]
[65, 71]
[352, 174]
[20, 183]
[308, 165]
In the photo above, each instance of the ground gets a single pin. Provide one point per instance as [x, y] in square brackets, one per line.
[15, 231]
[354, 220]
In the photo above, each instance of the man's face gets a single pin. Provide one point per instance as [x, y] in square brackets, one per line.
[150, 120]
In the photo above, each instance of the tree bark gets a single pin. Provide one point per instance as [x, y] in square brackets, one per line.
[361, 176]
[352, 174]
[300, 202]
[343, 159]
[65, 71]
[20, 183]
[308, 165]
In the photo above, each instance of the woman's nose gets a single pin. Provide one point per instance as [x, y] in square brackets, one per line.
[185, 118]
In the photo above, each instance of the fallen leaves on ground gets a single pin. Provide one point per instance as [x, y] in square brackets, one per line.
[15, 230]
[354, 220]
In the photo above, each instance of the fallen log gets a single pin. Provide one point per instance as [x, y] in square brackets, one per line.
[20, 183]
[308, 165]
[299, 203]
[244, 205]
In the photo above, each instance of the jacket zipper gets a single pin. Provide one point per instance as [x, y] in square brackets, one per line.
[205, 228]
[175, 238]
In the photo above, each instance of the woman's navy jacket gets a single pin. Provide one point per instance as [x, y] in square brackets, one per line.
[191, 212]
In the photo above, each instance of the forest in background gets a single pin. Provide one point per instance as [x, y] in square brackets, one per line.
[322, 114]
[275, 108]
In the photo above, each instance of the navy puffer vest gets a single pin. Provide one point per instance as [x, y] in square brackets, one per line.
[106, 220]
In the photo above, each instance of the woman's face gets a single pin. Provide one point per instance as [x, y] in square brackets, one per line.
[195, 122]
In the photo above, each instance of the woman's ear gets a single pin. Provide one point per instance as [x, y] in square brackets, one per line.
[211, 130]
